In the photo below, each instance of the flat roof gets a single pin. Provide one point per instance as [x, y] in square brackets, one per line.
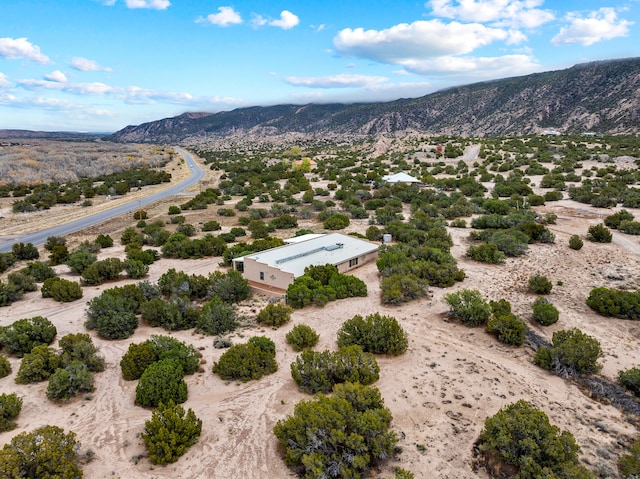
[334, 248]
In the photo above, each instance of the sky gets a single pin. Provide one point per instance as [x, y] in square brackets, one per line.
[100, 65]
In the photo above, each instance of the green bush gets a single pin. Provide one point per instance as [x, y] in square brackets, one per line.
[469, 307]
[23, 282]
[39, 271]
[540, 284]
[629, 464]
[9, 293]
[520, 438]
[274, 314]
[161, 382]
[80, 347]
[25, 251]
[231, 287]
[302, 337]
[104, 241]
[174, 210]
[65, 383]
[575, 242]
[630, 379]
[47, 452]
[486, 253]
[5, 366]
[615, 302]
[61, 290]
[113, 313]
[614, 220]
[599, 234]
[544, 312]
[211, 226]
[244, 362]
[140, 356]
[10, 406]
[23, 335]
[319, 371]
[169, 433]
[336, 222]
[216, 318]
[571, 353]
[137, 358]
[37, 365]
[508, 328]
[135, 269]
[375, 334]
[401, 288]
[339, 435]
[80, 260]
[166, 314]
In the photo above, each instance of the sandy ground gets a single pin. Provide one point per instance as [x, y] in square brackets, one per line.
[440, 391]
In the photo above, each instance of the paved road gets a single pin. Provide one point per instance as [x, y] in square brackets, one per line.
[41, 236]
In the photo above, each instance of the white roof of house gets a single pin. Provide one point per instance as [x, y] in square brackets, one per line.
[308, 236]
[400, 178]
[334, 248]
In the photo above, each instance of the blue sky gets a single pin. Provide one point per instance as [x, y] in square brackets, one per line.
[100, 65]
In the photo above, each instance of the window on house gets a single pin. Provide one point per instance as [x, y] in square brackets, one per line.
[353, 262]
[261, 275]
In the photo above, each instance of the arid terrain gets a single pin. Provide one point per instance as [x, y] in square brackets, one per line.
[440, 391]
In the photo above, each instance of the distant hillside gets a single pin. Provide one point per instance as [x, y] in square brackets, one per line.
[602, 97]
[47, 135]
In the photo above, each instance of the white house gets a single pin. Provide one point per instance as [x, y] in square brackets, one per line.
[276, 268]
[400, 178]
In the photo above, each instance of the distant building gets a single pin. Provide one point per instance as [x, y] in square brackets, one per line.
[276, 268]
[401, 178]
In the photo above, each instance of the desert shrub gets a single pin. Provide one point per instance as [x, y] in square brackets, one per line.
[140, 356]
[165, 314]
[544, 312]
[575, 242]
[340, 435]
[186, 229]
[520, 438]
[162, 381]
[401, 288]
[630, 379]
[244, 362]
[508, 328]
[37, 365]
[113, 313]
[104, 241]
[174, 210]
[319, 371]
[23, 335]
[58, 255]
[23, 282]
[9, 293]
[5, 366]
[630, 227]
[135, 269]
[80, 347]
[47, 452]
[263, 343]
[80, 260]
[6, 261]
[70, 381]
[629, 464]
[211, 226]
[614, 220]
[375, 334]
[226, 212]
[169, 433]
[469, 307]
[615, 302]
[599, 234]
[486, 253]
[571, 353]
[336, 222]
[140, 215]
[216, 318]
[39, 271]
[24, 252]
[274, 314]
[10, 406]
[321, 284]
[231, 287]
[53, 241]
[539, 284]
[61, 290]
[302, 337]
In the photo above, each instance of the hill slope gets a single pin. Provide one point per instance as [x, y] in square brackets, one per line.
[602, 97]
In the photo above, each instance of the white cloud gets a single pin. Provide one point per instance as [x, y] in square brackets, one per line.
[257, 20]
[286, 21]
[108, 3]
[418, 40]
[4, 81]
[481, 67]
[336, 81]
[56, 76]
[152, 4]
[226, 16]
[21, 48]
[599, 25]
[514, 13]
[318, 28]
[86, 65]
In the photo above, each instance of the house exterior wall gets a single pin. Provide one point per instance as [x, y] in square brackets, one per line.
[271, 276]
[356, 262]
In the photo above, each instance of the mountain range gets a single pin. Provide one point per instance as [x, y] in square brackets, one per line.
[599, 97]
